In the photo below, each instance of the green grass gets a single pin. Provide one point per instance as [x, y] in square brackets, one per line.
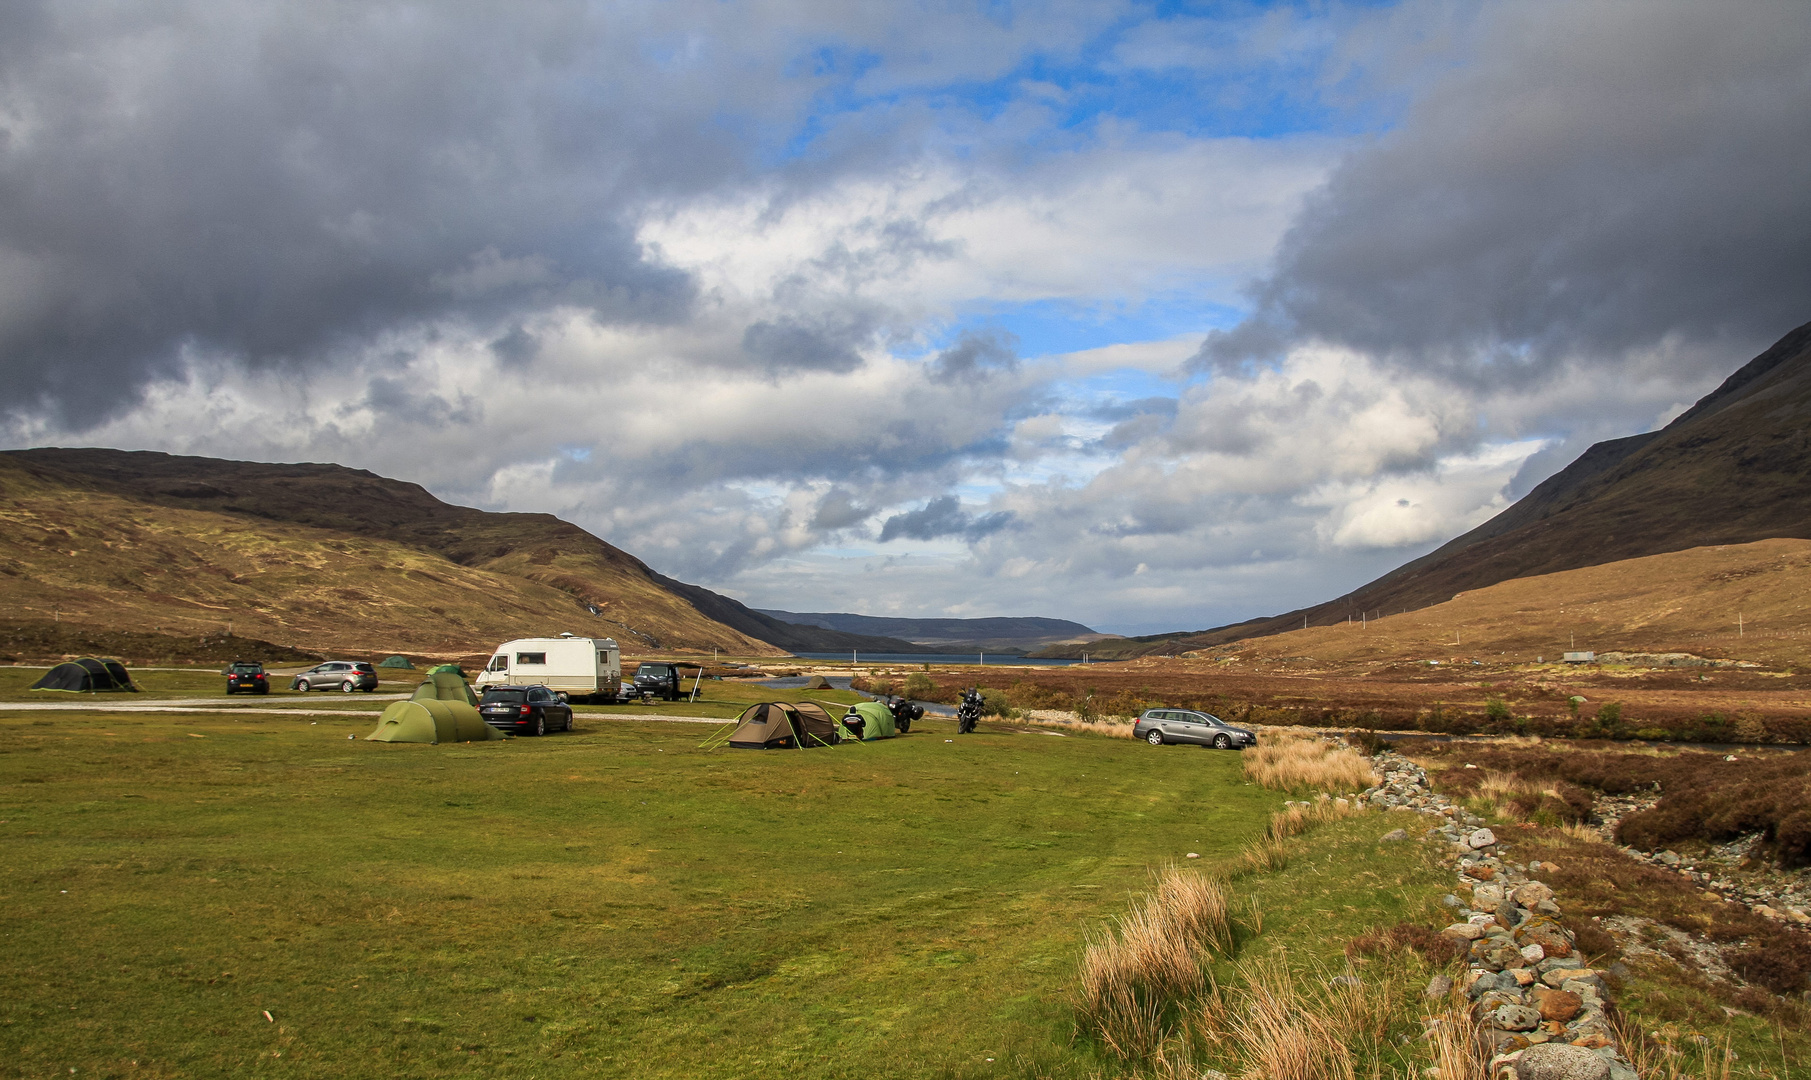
[615, 902]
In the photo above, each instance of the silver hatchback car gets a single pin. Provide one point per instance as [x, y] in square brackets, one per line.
[346, 675]
[1159, 726]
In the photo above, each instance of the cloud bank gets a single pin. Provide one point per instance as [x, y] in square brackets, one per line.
[1154, 322]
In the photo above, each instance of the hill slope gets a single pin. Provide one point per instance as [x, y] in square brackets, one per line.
[331, 556]
[949, 635]
[1729, 470]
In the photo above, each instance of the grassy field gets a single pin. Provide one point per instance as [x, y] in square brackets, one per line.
[614, 902]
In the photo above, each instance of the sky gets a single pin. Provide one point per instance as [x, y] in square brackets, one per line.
[1154, 316]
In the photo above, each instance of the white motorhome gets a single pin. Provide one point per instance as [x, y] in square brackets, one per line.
[569, 666]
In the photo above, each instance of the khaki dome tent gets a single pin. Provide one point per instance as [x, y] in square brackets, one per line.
[86, 675]
[818, 682]
[784, 725]
[442, 709]
[869, 720]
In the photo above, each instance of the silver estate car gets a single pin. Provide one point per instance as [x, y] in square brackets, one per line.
[1159, 726]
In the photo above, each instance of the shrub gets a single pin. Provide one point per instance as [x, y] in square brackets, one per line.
[1294, 762]
[1439, 950]
[1777, 969]
[996, 703]
[918, 686]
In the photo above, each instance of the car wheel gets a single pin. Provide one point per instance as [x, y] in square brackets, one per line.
[302, 685]
[263, 689]
[568, 726]
[348, 686]
[1221, 742]
[1155, 738]
[540, 725]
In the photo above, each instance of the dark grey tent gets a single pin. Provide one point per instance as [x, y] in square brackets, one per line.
[86, 675]
[397, 662]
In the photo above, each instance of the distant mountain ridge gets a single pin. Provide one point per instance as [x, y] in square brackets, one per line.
[606, 591]
[1732, 469]
[948, 635]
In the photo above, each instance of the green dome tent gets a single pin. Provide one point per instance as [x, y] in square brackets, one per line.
[869, 720]
[86, 676]
[442, 709]
[397, 662]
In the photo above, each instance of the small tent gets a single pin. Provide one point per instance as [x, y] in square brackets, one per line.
[397, 662]
[817, 682]
[869, 720]
[442, 709]
[86, 675]
[783, 725]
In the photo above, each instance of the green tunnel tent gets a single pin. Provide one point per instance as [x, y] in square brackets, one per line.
[869, 720]
[86, 676]
[443, 709]
[784, 725]
[397, 662]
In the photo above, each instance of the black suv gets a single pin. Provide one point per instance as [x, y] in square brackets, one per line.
[527, 710]
[657, 680]
[247, 675]
[343, 675]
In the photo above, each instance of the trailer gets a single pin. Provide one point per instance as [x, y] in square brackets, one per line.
[572, 667]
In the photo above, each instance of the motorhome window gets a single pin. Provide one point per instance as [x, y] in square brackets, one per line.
[531, 658]
[499, 662]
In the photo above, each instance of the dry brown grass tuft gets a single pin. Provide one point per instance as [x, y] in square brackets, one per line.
[1288, 762]
[1453, 1035]
[1283, 1036]
[1068, 721]
[1156, 954]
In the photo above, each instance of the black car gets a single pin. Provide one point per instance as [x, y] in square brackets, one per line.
[346, 675]
[1159, 726]
[657, 680]
[247, 675]
[524, 710]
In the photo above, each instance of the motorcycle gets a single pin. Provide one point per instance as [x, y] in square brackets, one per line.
[969, 713]
[904, 712]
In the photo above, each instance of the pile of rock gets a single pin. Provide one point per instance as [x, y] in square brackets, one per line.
[1528, 984]
[1738, 871]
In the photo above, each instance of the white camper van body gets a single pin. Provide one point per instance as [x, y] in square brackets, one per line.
[570, 666]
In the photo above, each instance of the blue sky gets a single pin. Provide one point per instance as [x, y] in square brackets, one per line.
[1151, 316]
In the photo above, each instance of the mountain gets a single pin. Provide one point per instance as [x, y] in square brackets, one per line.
[1730, 470]
[950, 635]
[325, 556]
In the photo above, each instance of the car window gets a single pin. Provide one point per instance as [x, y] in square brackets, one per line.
[537, 695]
[362, 667]
[512, 696]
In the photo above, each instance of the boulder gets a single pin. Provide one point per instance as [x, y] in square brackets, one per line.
[1481, 838]
[1515, 1018]
[1486, 897]
[1549, 935]
[1556, 1005]
[1463, 932]
[1533, 893]
[1560, 1061]
[1393, 835]
[1438, 987]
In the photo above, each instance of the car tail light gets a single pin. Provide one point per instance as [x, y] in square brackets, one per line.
[524, 710]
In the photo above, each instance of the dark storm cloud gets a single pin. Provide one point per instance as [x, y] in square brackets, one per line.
[791, 344]
[1602, 177]
[271, 184]
[943, 516]
[977, 355]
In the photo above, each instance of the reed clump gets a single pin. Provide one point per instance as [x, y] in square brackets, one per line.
[1285, 761]
[1155, 954]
